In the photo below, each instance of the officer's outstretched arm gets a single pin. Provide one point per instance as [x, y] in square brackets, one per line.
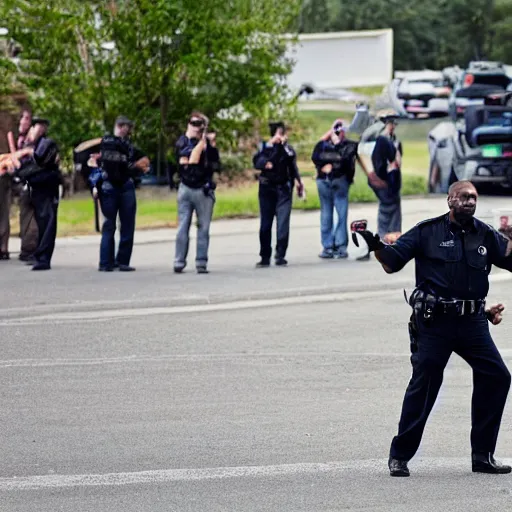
[392, 257]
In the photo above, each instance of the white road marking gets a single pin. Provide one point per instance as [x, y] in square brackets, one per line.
[95, 316]
[137, 359]
[142, 311]
[366, 467]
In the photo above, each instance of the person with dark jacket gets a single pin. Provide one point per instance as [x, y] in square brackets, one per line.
[454, 254]
[277, 161]
[335, 157]
[113, 183]
[198, 158]
[40, 170]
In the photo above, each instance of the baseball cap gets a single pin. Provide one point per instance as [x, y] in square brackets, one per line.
[123, 120]
[39, 120]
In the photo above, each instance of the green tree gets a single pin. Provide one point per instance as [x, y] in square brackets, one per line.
[84, 62]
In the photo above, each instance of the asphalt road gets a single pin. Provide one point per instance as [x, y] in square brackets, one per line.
[242, 390]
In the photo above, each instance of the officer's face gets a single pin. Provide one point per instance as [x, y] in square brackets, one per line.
[196, 126]
[463, 202]
[122, 130]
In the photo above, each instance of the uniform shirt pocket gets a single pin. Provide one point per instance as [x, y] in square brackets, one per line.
[477, 257]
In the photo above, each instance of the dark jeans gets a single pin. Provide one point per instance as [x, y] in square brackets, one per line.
[117, 200]
[389, 219]
[28, 225]
[275, 201]
[46, 204]
[468, 337]
[5, 207]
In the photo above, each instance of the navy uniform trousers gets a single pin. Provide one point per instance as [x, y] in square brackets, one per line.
[469, 337]
[46, 203]
[275, 201]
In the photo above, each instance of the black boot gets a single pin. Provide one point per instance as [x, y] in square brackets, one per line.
[398, 467]
[486, 463]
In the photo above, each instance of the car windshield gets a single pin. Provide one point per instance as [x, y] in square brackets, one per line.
[499, 118]
[500, 80]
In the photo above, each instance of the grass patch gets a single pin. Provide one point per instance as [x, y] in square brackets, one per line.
[76, 215]
[156, 208]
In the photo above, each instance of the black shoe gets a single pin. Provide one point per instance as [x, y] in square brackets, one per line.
[26, 257]
[178, 270]
[116, 265]
[126, 268]
[281, 262]
[263, 264]
[202, 270]
[486, 463]
[105, 269]
[398, 467]
[4, 255]
[41, 266]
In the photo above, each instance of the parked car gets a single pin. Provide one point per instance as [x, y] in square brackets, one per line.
[477, 147]
[477, 82]
[424, 93]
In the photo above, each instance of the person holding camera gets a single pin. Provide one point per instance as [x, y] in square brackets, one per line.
[198, 158]
[113, 183]
[277, 162]
[334, 157]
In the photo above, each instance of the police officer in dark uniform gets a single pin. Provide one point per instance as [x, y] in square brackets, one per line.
[277, 162]
[116, 190]
[40, 170]
[454, 254]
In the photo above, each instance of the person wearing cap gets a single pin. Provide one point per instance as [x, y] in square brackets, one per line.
[198, 158]
[334, 157]
[277, 161]
[40, 170]
[114, 185]
[386, 159]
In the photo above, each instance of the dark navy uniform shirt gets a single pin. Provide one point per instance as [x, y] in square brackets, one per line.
[196, 175]
[450, 262]
[284, 164]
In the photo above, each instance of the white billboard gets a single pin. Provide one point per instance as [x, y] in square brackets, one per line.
[342, 59]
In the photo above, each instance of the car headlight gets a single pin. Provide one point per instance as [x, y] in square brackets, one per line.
[483, 171]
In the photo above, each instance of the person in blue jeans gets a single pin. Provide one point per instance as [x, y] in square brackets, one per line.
[113, 183]
[334, 157]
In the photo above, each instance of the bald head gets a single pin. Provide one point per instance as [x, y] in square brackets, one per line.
[462, 198]
[456, 187]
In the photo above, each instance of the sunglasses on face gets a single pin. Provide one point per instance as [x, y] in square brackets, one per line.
[196, 122]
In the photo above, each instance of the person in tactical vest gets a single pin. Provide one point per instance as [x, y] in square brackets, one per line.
[198, 158]
[40, 171]
[454, 254]
[335, 157]
[114, 185]
[277, 161]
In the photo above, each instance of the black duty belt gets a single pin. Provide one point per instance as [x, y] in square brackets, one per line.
[440, 305]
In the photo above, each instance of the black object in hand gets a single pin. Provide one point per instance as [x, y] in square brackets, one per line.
[373, 241]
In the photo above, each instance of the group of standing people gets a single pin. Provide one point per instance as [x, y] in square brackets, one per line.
[115, 166]
[37, 180]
